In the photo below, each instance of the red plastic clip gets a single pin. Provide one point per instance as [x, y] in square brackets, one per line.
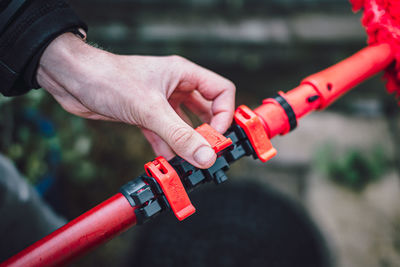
[217, 141]
[256, 133]
[172, 187]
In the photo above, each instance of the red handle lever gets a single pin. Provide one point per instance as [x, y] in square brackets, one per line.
[172, 187]
[217, 141]
[255, 131]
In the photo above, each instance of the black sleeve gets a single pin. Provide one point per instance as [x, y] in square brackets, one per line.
[26, 28]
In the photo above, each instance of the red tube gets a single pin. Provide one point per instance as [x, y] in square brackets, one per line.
[334, 81]
[89, 230]
[328, 85]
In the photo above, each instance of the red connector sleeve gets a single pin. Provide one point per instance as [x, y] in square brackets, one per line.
[323, 88]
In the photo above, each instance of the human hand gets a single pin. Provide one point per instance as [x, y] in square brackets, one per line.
[140, 90]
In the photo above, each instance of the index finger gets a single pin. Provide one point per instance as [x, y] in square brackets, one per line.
[220, 91]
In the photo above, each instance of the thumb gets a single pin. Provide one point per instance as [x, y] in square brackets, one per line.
[182, 138]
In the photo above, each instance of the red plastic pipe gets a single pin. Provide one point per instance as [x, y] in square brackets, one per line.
[326, 86]
[89, 230]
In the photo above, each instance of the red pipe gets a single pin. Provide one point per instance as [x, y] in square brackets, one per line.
[328, 85]
[89, 230]
[333, 82]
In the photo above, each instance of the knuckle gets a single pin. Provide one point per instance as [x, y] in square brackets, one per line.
[178, 59]
[181, 136]
[231, 86]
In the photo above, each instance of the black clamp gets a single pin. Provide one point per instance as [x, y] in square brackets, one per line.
[192, 176]
[288, 110]
[146, 195]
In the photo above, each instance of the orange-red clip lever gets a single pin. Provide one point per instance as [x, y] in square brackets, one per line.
[254, 129]
[172, 187]
[217, 141]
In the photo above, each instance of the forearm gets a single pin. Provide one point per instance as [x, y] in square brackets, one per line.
[78, 77]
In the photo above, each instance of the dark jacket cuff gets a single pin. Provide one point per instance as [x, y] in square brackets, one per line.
[24, 41]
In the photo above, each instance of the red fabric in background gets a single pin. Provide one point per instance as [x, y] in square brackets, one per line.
[381, 20]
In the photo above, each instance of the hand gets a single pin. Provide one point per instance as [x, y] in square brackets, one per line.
[140, 90]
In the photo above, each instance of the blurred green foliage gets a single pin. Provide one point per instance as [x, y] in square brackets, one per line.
[354, 168]
[87, 160]
[32, 143]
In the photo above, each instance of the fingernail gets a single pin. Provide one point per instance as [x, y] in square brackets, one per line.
[203, 155]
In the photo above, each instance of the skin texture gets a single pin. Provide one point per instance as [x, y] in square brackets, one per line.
[145, 91]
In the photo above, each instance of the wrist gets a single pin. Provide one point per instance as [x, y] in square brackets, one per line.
[61, 62]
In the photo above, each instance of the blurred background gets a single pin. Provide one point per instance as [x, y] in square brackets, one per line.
[330, 196]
